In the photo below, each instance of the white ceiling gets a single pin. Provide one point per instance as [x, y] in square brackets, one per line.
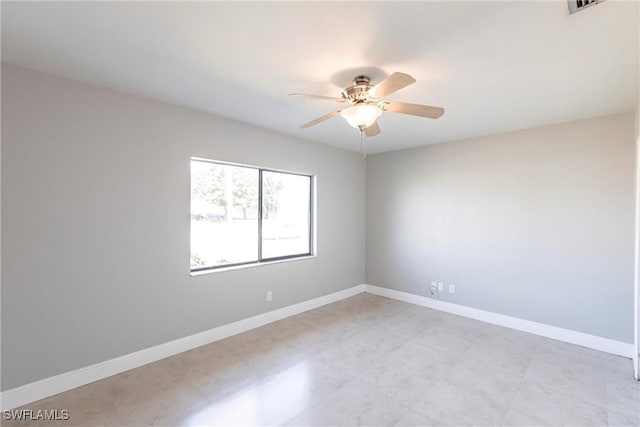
[494, 66]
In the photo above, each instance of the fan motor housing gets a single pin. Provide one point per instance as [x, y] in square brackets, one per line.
[357, 93]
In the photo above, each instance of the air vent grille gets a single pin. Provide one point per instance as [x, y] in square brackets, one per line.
[577, 5]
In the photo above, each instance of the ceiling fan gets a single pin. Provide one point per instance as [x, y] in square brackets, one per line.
[365, 104]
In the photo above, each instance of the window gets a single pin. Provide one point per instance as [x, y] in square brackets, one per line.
[244, 215]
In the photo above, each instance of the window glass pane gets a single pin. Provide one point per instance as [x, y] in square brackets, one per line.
[285, 214]
[224, 214]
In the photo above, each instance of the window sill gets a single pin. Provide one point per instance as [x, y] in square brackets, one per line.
[252, 265]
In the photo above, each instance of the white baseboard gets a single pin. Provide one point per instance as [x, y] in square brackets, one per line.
[57, 384]
[553, 332]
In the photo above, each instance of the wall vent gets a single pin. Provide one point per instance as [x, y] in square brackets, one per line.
[578, 5]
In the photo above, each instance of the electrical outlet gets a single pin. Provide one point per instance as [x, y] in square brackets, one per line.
[452, 289]
[440, 287]
[269, 296]
[433, 290]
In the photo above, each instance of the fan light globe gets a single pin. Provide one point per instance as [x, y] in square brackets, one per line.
[361, 116]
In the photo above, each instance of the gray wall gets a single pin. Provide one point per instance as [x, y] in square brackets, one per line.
[537, 224]
[95, 221]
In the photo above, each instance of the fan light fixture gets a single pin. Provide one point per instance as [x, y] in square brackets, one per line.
[361, 116]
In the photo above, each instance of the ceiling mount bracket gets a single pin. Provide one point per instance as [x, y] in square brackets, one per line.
[361, 80]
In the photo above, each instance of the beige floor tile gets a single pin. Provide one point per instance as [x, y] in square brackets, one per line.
[313, 342]
[451, 346]
[472, 331]
[618, 368]
[203, 359]
[416, 419]
[419, 358]
[500, 385]
[380, 341]
[351, 356]
[426, 312]
[321, 316]
[507, 359]
[575, 382]
[356, 404]
[402, 382]
[347, 330]
[410, 323]
[339, 327]
[155, 395]
[275, 359]
[314, 416]
[518, 418]
[450, 405]
[556, 408]
[227, 379]
[624, 397]
[251, 342]
[622, 419]
[572, 356]
[505, 337]
[277, 399]
[286, 328]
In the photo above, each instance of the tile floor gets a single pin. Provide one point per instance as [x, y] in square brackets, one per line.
[366, 360]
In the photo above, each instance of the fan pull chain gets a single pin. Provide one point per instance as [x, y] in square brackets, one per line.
[363, 143]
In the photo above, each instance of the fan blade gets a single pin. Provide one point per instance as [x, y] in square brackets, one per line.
[372, 130]
[320, 119]
[413, 109]
[306, 95]
[393, 83]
